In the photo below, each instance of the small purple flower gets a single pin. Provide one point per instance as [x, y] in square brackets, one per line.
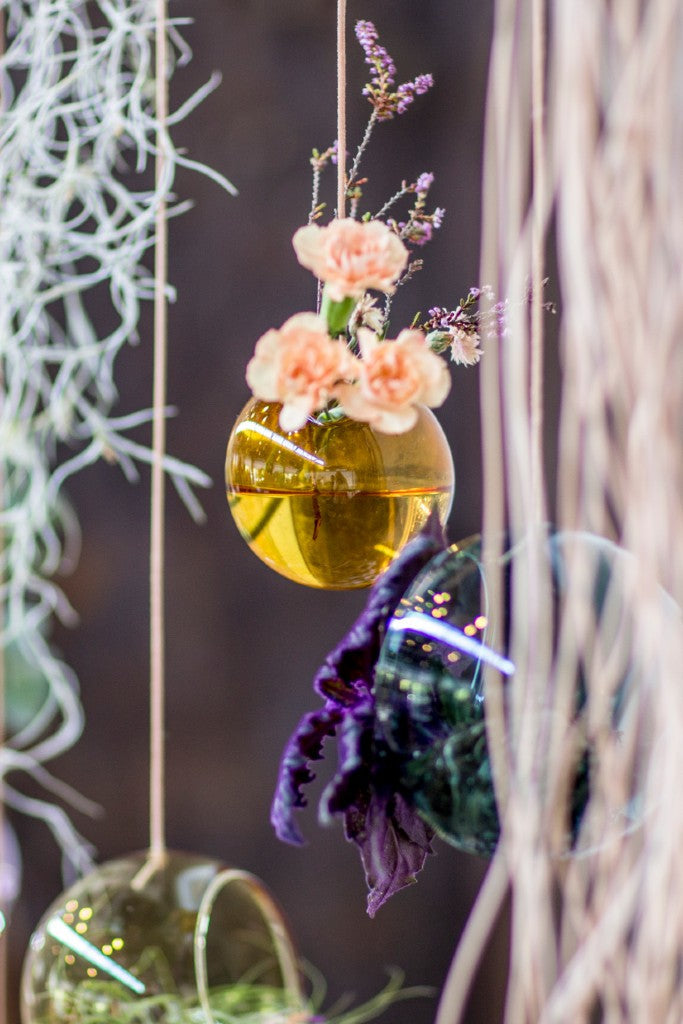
[375, 55]
[407, 92]
[438, 216]
[424, 182]
[366, 34]
[442, 319]
[422, 84]
[421, 232]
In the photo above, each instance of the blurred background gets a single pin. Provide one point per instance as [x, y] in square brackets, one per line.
[243, 644]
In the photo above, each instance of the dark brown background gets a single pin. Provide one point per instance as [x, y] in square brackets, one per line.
[243, 644]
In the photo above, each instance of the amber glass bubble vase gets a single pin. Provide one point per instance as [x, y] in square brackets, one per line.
[331, 504]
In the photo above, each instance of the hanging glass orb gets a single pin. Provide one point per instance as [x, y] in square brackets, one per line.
[183, 940]
[429, 678]
[331, 504]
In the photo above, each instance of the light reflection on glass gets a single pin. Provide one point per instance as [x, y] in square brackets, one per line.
[281, 442]
[57, 929]
[416, 622]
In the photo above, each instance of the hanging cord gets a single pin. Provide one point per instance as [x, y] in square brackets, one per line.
[341, 108]
[157, 824]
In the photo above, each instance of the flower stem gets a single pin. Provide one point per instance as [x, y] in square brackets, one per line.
[353, 173]
[336, 314]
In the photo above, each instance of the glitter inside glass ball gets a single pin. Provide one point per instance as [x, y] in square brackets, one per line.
[331, 504]
[183, 940]
[429, 676]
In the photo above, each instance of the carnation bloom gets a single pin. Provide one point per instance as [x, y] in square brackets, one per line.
[351, 256]
[367, 314]
[394, 377]
[298, 365]
[464, 346]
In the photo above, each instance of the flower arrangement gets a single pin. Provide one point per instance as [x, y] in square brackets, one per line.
[340, 360]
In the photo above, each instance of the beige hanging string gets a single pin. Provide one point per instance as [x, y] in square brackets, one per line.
[157, 823]
[341, 108]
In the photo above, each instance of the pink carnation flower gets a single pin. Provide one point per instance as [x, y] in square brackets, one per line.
[298, 365]
[351, 256]
[394, 377]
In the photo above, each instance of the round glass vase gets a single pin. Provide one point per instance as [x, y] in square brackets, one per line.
[180, 939]
[430, 700]
[331, 504]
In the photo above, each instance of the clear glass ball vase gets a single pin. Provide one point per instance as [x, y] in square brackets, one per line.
[331, 504]
[430, 699]
[178, 940]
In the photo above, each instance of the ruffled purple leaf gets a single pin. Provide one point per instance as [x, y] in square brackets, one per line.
[394, 843]
[392, 838]
[304, 746]
[352, 782]
[354, 658]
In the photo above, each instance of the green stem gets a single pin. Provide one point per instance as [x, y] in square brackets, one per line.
[336, 314]
[271, 509]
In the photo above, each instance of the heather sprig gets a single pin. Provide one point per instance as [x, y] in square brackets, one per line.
[420, 226]
[387, 102]
[319, 161]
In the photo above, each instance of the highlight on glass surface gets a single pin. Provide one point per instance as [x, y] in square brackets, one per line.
[331, 504]
[185, 939]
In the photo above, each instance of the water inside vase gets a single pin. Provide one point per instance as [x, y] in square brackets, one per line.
[331, 505]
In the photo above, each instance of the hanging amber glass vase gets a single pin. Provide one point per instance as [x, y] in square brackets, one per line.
[331, 504]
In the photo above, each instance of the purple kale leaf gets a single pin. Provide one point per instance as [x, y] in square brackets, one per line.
[304, 746]
[392, 838]
[393, 841]
[355, 657]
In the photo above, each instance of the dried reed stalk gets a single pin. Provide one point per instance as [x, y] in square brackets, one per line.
[597, 933]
